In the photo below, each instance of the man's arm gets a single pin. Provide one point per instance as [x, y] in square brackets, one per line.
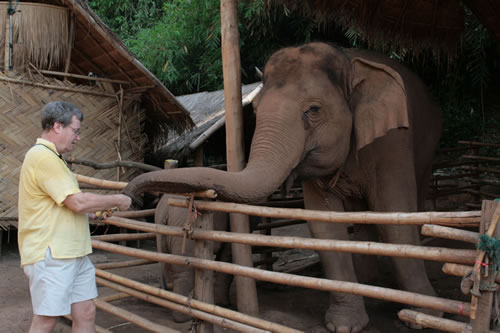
[87, 202]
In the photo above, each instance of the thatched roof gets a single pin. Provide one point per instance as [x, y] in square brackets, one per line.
[206, 109]
[412, 24]
[97, 50]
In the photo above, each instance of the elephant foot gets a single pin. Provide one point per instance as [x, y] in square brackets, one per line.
[346, 314]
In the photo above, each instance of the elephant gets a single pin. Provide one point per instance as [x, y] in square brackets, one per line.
[180, 276]
[358, 130]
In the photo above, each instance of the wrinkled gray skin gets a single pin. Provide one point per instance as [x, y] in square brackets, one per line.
[326, 112]
[182, 276]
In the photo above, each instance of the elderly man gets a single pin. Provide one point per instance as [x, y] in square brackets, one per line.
[54, 237]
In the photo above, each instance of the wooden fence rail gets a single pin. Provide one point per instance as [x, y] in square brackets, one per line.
[386, 294]
[372, 248]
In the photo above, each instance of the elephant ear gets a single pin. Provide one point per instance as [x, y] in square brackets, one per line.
[378, 100]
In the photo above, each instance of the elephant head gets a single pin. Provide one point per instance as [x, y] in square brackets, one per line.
[318, 105]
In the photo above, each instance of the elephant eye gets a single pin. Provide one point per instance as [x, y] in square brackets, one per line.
[312, 109]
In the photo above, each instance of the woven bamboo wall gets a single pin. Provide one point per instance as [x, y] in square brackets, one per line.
[20, 106]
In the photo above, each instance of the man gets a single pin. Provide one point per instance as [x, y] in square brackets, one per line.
[54, 237]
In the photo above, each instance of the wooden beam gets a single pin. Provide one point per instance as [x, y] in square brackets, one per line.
[50, 86]
[246, 290]
[84, 77]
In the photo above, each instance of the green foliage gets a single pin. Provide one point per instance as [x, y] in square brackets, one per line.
[183, 48]
[127, 17]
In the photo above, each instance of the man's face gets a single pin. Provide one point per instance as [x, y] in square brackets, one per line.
[68, 136]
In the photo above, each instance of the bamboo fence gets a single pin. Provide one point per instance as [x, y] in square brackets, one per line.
[372, 248]
[455, 256]
[478, 166]
[386, 294]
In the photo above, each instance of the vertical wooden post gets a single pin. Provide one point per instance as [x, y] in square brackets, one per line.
[204, 279]
[6, 44]
[481, 323]
[246, 291]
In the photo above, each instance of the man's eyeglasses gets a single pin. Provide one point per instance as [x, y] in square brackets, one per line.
[76, 131]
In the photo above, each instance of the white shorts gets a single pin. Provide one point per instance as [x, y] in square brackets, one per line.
[55, 284]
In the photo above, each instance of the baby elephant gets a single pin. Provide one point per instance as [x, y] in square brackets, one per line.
[182, 276]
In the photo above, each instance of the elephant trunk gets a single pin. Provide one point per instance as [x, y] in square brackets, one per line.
[273, 157]
[244, 186]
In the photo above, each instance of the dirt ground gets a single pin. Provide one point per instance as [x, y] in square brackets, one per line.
[294, 307]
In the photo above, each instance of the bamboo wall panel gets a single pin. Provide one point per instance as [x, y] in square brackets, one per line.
[20, 107]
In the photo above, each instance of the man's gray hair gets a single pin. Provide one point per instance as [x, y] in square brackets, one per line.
[60, 112]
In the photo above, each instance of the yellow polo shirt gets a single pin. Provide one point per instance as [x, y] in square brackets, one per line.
[44, 221]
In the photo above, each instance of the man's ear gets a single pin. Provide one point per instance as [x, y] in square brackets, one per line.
[57, 127]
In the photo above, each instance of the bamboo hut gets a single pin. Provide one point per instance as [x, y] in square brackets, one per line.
[207, 137]
[61, 50]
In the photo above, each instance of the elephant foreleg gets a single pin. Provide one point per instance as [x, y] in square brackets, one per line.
[346, 312]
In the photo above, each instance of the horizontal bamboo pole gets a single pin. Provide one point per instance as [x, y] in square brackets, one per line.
[437, 323]
[52, 86]
[133, 318]
[461, 270]
[373, 248]
[441, 177]
[482, 158]
[480, 144]
[114, 164]
[114, 297]
[131, 214]
[113, 185]
[108, 184]
[450, 233]
[195, 304]
[123, 264]
[481, 169]
[124, 237]
[386, 294]
[216, 320]
[447, 218]
[85, 77]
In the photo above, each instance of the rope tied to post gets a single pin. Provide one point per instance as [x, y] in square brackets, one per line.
[188, 227]
[491, 247]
